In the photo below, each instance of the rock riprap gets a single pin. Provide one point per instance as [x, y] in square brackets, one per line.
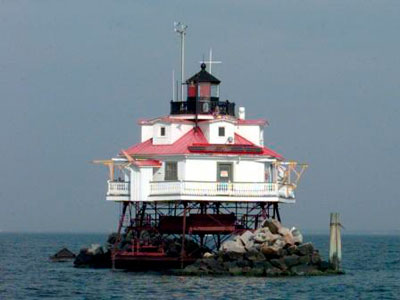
[272, 250]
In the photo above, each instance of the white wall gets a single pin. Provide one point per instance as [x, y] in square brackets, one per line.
[206, 170]
[146, 175]
[146, 132]
[157, 138]
[210, 131]
[173, 131]
[178, 130]
[135, 184]
[248, 171]
[251, 133]
[200, 170]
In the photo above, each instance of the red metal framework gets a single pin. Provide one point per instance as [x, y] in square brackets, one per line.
[205, 224]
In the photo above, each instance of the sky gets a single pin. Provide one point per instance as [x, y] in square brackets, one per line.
[75, 76]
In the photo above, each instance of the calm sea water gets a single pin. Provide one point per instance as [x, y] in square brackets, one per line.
[372, 265]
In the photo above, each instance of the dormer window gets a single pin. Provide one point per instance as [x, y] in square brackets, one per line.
[221, 131]
[162, 131]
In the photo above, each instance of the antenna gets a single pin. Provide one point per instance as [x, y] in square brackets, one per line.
[180, 28]
[173, 85]
[210, 62]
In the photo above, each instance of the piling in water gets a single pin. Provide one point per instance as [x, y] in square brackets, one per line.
[335, 245]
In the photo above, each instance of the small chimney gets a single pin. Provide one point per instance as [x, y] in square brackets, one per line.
[242, 113]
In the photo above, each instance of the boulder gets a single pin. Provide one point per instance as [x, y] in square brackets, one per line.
[297, 236]
[325, 266]
[291, 250]
[208, 255]
[279, 243]
[235, 271]
[303, 270]
[288, 239]
[291, 260]
[315, 258]
[263, 235]
[283, 231]
[271, 251]
[279, 263]
[95, 249]
[306, 259]
[246, 237]
[233, 246]
[305, 249]
[272, 224]
[273, 271]
[254, 255]
[63, 255]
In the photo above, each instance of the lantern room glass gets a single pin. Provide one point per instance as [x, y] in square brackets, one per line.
[214, 91]
[204, 91]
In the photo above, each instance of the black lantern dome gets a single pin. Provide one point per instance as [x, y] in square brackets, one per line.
[203, 96]
[203, 86]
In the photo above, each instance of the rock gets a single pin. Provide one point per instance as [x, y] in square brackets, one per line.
[303, 270]
[283, 231]
[232, 246]
[324, 266]
[232, 256]
[297, 236]
[273, 271]
[272, 224]
[95, 249]
[315, 258]
[291, 250]
[254, 255]
[63, 255]
[208, 255]
[246, 237]
[291, 260]
[271, 251]
[305, 249]
[288, 239]
[305, 259]
[279, 263]
[235, 271]
[229, 264]
[256, 271]
[263, 235]
[279, 243]
[93, 257]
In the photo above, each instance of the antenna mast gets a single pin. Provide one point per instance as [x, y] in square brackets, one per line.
[180, 28]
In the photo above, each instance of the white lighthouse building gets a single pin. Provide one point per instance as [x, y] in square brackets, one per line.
[201, 172]
[202, 151]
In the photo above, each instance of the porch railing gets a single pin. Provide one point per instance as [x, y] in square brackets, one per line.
[118, 188]
[235, 189]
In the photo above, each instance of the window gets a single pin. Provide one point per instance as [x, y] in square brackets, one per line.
[171, 170]
[221, 131]
[162, 131]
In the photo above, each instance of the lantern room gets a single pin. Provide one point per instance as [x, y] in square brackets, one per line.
[203, 86]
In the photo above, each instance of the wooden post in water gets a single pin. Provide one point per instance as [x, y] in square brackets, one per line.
[335, 245]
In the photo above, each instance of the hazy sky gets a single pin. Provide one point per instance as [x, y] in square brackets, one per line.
[75, 76]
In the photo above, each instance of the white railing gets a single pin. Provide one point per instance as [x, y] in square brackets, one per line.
[118, 188]
[235, 189]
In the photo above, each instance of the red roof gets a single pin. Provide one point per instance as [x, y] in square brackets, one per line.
[266, 151]
[194, 137]
[252, 122]
[146, 163]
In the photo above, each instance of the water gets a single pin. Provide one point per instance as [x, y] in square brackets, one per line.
[372, 265]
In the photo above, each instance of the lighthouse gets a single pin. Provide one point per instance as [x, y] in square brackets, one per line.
[198, 175]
